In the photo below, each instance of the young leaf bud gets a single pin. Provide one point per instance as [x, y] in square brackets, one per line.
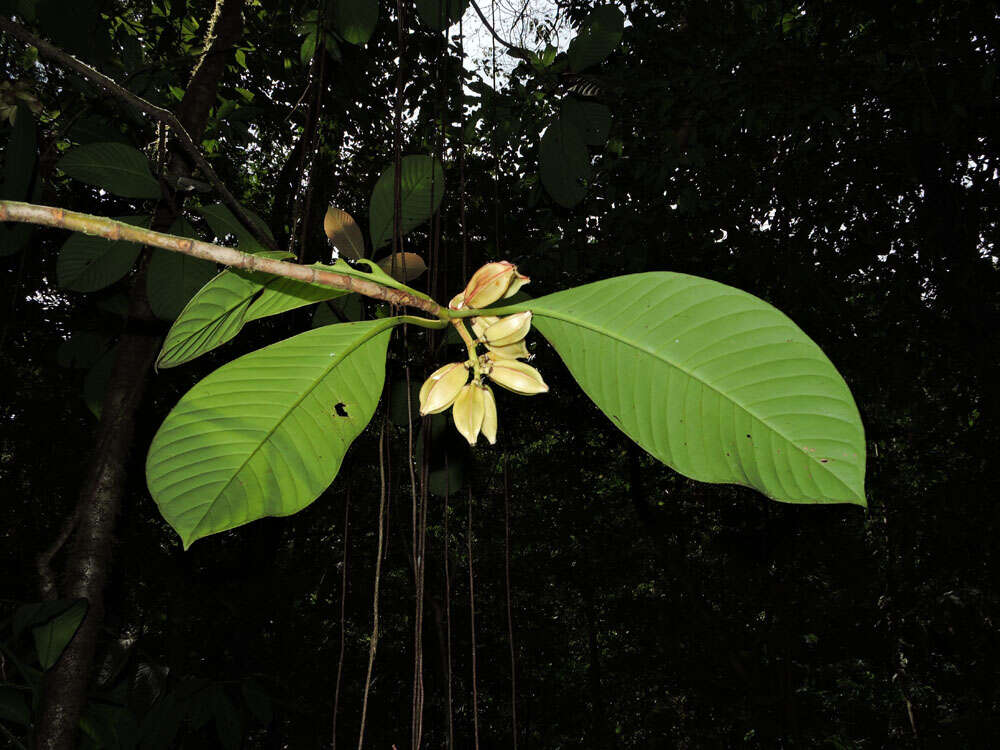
[508, 330]
[440, 390]
[469, 411]
[492, 282]
[518, 377]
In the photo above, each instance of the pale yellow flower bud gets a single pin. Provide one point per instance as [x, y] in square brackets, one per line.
[517, 350]
[469, 412]
[482, 323]
[489, 415]
[518, 377]
[492, 282]
[441, 389]
[508, 330]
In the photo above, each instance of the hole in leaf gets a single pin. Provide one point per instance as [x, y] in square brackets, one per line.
[340, 409]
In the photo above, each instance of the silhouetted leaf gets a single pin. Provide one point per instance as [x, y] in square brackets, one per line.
[599, 35]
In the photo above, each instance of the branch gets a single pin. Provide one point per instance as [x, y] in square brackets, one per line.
[109, 229]
[158, 113]
[514, 49]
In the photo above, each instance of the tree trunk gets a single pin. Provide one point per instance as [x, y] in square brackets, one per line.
[88, 561]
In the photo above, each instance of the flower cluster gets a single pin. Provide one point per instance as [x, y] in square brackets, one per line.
[475, 410]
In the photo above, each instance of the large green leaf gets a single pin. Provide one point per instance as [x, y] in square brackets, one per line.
[563, 163]
[440, 14]
[421, 188]
[713, 382]
[214, 315]
[233, 298]
[266, 434]
[87, 263]
[283, 294]
[598, 37]
[354, 20]
[115, 167]
[174, 278]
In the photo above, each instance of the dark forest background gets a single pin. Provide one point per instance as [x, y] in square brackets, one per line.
[836, 158]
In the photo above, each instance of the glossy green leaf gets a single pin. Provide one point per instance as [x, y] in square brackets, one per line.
[233, 298]
[713, 382]
[598, 37]
[266, 434]
[283, 294]
[564, 163]
[86, 263]
[592, 119]
[174, 278]
[354, 20]
[115, 167]
[214, 315]
[440, 14]
[222, 222]
[421, 189]
[344, 233]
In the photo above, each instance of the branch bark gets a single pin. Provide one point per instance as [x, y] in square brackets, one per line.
[110, 229]
[191, 112]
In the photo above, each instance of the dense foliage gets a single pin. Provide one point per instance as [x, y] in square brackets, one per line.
[836, 159]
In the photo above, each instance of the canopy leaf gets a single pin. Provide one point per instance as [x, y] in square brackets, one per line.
[86, 263]
[354, 20]
[114, 167]
[174, 278]
[598, 37]
[440, 14]
[421, 188]
[592, 119]
[344, 233]
[404, 267]
[564, 163]
[222, 222]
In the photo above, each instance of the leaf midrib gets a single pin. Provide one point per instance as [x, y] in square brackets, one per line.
[375, 331]
[629, 342]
